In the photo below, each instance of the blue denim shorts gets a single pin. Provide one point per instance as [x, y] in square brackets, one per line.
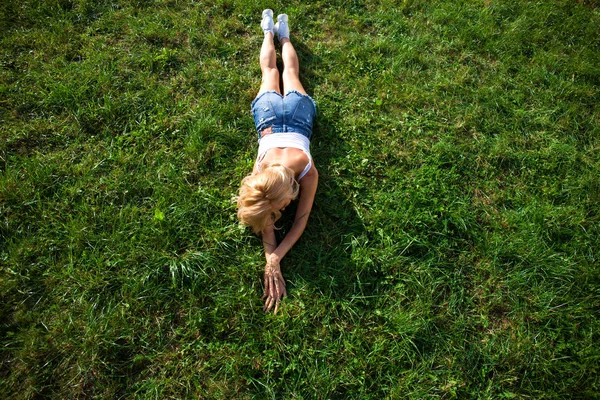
[294, 112]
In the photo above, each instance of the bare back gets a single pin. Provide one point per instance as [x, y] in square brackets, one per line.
[295, 159]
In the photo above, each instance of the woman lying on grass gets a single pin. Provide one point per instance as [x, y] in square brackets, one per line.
[284, 168]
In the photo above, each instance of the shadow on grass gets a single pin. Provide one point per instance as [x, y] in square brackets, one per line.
[323, 259]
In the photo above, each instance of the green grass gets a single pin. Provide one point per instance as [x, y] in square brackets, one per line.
[452, 252]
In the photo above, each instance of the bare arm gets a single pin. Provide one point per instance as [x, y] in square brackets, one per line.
[269, 241]
[274, 282]
[308, 188]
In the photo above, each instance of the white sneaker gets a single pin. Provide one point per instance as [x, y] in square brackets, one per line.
[281, 27]
[267, 21]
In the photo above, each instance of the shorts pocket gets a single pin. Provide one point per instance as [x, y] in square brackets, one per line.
[304, 114]
[264, 114]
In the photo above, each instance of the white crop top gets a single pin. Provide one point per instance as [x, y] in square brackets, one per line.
[281, 140]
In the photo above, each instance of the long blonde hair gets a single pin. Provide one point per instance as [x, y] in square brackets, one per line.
[259, 192]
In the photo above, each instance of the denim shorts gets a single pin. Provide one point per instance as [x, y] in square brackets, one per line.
[294, 112]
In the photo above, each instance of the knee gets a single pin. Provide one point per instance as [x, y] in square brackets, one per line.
[291, 72]
[270, 73]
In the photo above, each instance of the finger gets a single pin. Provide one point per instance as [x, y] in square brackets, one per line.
[266, 292]
[272, 286]
[266, 284]
[282, 288]
[269, 304]
[277, 289]
[281, 280]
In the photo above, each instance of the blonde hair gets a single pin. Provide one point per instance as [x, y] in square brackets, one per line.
[259, 192]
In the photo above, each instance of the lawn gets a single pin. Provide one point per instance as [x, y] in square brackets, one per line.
[453, 250]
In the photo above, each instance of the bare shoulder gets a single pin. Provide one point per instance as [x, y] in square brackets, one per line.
[308, 190]
[313, 171]
[311, 178]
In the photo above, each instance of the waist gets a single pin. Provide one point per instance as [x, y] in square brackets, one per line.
[286, 128]
[283, 139]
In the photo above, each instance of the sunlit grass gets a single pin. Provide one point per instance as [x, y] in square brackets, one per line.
[453, 247]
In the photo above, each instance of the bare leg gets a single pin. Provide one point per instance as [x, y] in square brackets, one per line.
[291, 67]
[268, 65]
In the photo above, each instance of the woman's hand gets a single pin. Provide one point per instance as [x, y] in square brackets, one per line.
[274, 284]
